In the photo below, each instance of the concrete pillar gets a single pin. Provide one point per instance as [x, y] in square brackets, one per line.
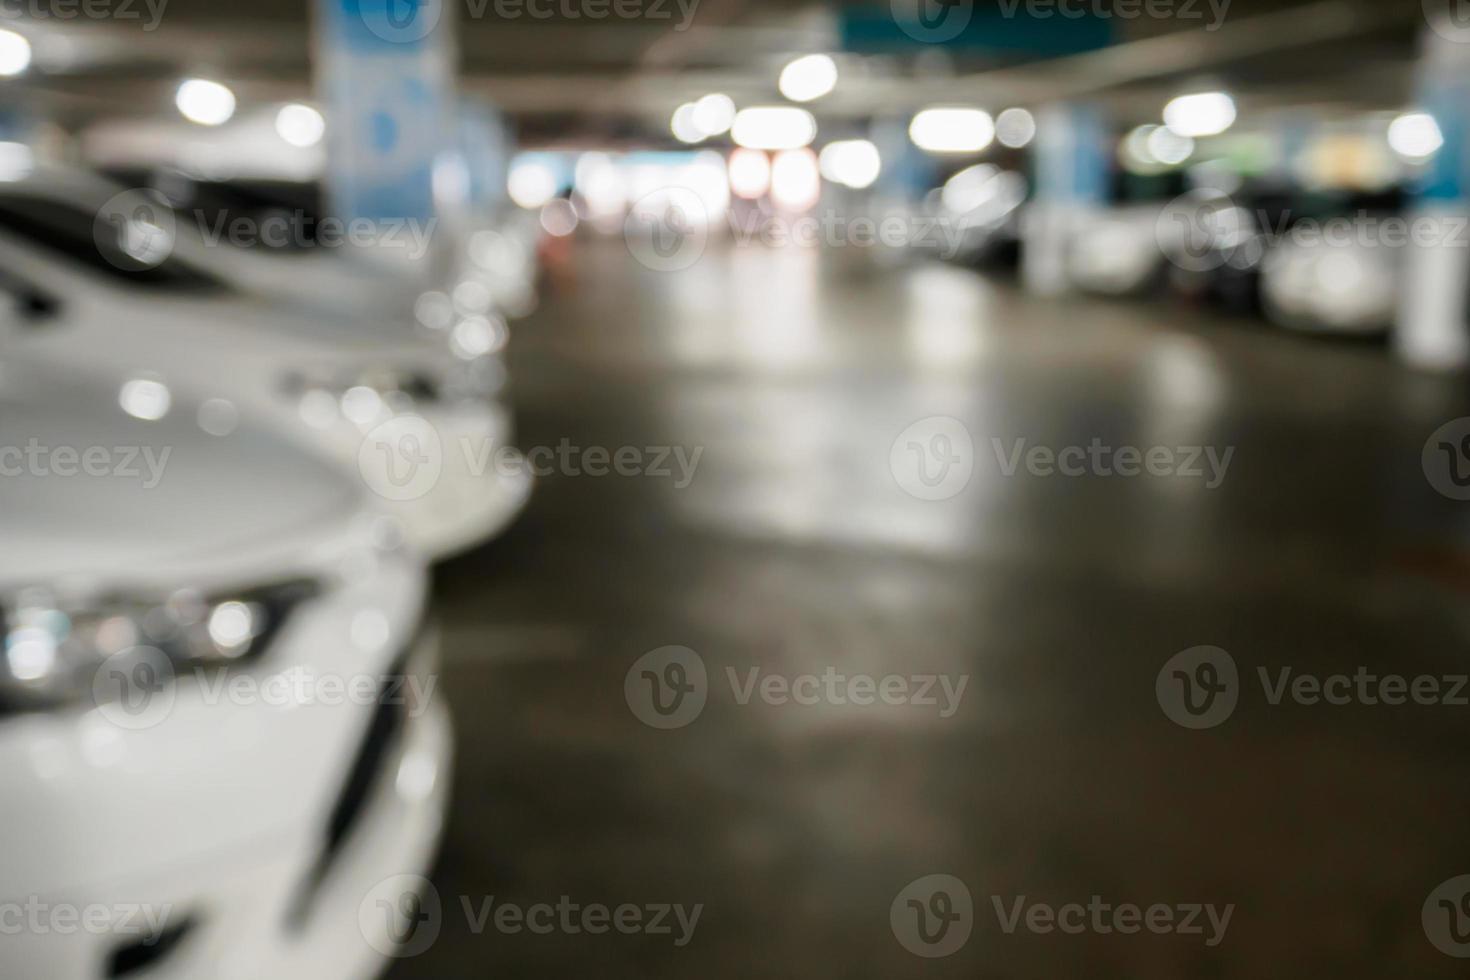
[1073, 163]
[1432, 329]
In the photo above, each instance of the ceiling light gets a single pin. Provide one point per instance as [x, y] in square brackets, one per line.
[774, 128]
[714, 113]
[1168, 147]
[683, 125]
[300, 125]
[204, 102]
[1015, 128]
[852, 163]
[808, 77]
[15, 53]
[952, 130]
[1415, 136]
[1201, 114]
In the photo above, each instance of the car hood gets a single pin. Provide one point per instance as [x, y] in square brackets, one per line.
[92, 492]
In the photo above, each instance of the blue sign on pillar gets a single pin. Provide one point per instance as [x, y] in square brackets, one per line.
[1072, 160]
[385, 73]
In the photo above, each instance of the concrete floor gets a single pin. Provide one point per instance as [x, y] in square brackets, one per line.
[1059, 777]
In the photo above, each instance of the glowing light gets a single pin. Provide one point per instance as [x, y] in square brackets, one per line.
[952, 130]
[477, 336]
[300, 125]
[1015, 128]
[16, 161]
[1168, 147]
[1415, 136]
[361, 404]
[714, 114]
[145, 399]
[808, 77]
[796, 183]
[231, 625]
[559, 218]
[774, 128]
[15, 53]
[683, 125]
[1200, 114]
[434, 310]
[750, 173]
[204, 102]
[531, 184]
[852, 163]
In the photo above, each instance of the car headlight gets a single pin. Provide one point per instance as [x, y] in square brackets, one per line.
[53, 647]
[365, 397]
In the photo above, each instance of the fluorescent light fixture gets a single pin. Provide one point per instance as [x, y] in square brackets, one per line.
[1015, 128]
[808, 77]
[1168, 147]
[714, 113]
[1200, 114]
[952, 130]
[773, 128]
[683, 126]
[300, 125]
[852, 163]
[204, 102]
[1415, 136]
[15, 53]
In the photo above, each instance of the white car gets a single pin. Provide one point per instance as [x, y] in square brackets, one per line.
[1322, 286]
[190, 790]
[1118, 251]
[412, 410]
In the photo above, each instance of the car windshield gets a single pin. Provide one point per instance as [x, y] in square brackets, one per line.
[136, 254]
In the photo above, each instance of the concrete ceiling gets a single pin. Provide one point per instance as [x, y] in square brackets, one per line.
[565, 74]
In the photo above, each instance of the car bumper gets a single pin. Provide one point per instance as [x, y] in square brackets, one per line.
[248, 832]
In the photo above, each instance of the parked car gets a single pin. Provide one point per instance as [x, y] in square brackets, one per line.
[168, 817]
[1335, 270]
[114, 290]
